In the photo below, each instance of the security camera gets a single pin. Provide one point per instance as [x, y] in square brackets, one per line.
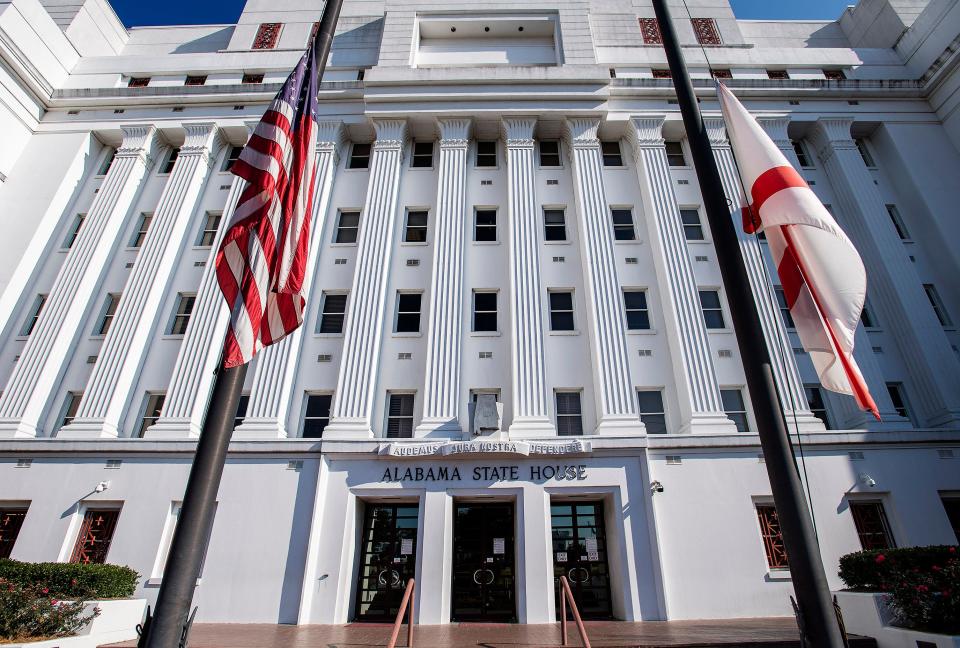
[656, 487]
[102, 486]
[867, 480]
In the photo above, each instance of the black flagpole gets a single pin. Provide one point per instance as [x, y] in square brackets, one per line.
[170, 625]
[817, 618]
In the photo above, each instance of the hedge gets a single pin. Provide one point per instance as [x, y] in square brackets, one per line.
[874, 571]
[73, 581]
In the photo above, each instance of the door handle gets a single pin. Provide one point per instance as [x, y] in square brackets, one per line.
[476, 576]
[586, 575]
[493, 576]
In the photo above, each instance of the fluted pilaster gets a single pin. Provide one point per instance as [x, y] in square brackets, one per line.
[616, 407]
[441, 393]
[695, 376]
[350, 415]
[276, 369]
[31, 388]
[899, 298]
[530, 397]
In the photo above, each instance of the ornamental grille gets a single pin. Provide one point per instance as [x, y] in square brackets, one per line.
[267, 36]
[96, 532]
[705, 30]
[834, 75]
[722, 74]
[252, 78]
[872, 526]
[772, 539]
[10, 523]
[138, 82]
[650, 31]
[661, 74]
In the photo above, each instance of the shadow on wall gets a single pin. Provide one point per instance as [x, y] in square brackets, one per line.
[213, 42]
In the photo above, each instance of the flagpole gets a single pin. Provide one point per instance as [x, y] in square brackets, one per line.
[170, 624]
[817, 618]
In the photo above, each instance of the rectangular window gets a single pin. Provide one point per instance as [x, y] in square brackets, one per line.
[195, 80]
[951, 505]
[866, 316]
[652, 413]
[138, 82]
[712, 311]
[152, 409]
[779, 75]
[484, 310]
[34, 315]
[170, 160]
[801, 154]
[872, 525]
[938, 308]
[333, 313]
[487, 154]
[316, 415]
[612, 157]
[249, 77]
[233, 154]
[181, 316]
[721, 73]
[706, 31]
[359, 156]
[865, 152]
[899, 399]
[817, 404]
[485, 225]
[635, 303]
[834, 75]
[898, 222]
[267, 36]
[623, 224]
[675, 155]
[549, 153]
[784, 308]
[167, 539]
[142, 226]
[11, 521]
[242, 405]
[348, 224]
[96, 533]
[408, 312]
[400, 416]
[650, 30]
[74, 231]
[692, 228]
[661, 73]
[107, 162]
[422, 155]
[561, 310]
[735, 408]
[772, 538]
[415, 230]
[554, 225]
[569, 418]
[106, 315]
[70, 406]
[211, 223]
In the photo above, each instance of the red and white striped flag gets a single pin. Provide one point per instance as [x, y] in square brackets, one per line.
[823, 278]
[262, 259]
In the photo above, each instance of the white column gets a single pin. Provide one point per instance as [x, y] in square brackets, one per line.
[616, 405]
[276, 369]
[31, 388]
[350, 415]
[192, 378]
[793, 399]
[694, 374]
[895, 288]
[108, 391]
[435, 559]
[530, 394]
[441, 393]
[535, 584]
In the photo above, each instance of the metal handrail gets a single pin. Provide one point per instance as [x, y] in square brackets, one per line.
[405, 604]
[565, 595]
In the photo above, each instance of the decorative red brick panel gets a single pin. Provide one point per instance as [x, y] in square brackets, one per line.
[196, 80]
[772, 539]
[267, 36]
[252, 78]
[96, 533]
[650, 30]
[138, 82]
[834, 75]
[706, 31]
[722, 74]
[777, 74]
[661, 74]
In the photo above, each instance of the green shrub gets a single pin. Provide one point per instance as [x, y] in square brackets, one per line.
[923, 584]
[73, 581]
[29, 611]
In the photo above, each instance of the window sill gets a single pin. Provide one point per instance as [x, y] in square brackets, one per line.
[485, 334]
[420, 168]
[362, 169]
[486, 168]
[557, 242]
[698, 241]
[398, 334]
[98, 338]
[564, 332]
[621, 167]
[343, 245]
[641, 331]
[635, 241]
[412, 243]
[777, 575]
[550, 168]
[721, 331]
[131, 249]
[486, 242]
[171, 336]
[328, 336]
[201, 248]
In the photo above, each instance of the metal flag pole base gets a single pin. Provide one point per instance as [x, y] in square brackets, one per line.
[815, 613]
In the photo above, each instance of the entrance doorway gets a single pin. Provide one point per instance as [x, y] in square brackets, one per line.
[388, 557]
[484, 572]
[580, 554]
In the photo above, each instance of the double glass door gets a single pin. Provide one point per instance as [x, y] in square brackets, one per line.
[580, 554]
[388, 557]
[484, 573]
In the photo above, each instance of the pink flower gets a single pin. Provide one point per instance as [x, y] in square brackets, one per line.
[952, 550]
[46, 590]
[54, 601]
[880, 558]
[936, 568]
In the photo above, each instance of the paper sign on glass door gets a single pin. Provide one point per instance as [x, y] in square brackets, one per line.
[499, 545]
[406, 546]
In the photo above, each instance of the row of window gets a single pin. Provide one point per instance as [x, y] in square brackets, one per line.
[201, 79]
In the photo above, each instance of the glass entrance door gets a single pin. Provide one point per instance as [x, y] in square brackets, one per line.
[580, 554]
[388, 556]
[483, 563]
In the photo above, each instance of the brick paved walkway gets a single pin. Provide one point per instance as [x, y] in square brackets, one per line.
[754, 633]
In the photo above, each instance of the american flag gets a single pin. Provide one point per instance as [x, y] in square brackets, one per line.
[823, 278]
[262, 259]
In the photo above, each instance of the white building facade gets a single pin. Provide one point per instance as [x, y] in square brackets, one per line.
[517, 360]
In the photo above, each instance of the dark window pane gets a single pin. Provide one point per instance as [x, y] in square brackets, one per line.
[334, 307]
[408, 313]
[622, 224]
[554, 225]
[422, 155]
[692, 229]
[734, 407]
[675, 157]
[485, 228]
[317, 415]
[611, 154]
[347, 227]
[550, 153]
[487, 154]
[359, 156]
[416, 230]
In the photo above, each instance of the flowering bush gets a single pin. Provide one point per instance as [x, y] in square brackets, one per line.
[73, 580]
[923, 584]
[30, 612]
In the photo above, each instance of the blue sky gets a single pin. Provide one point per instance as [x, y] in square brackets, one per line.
[188, 12]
